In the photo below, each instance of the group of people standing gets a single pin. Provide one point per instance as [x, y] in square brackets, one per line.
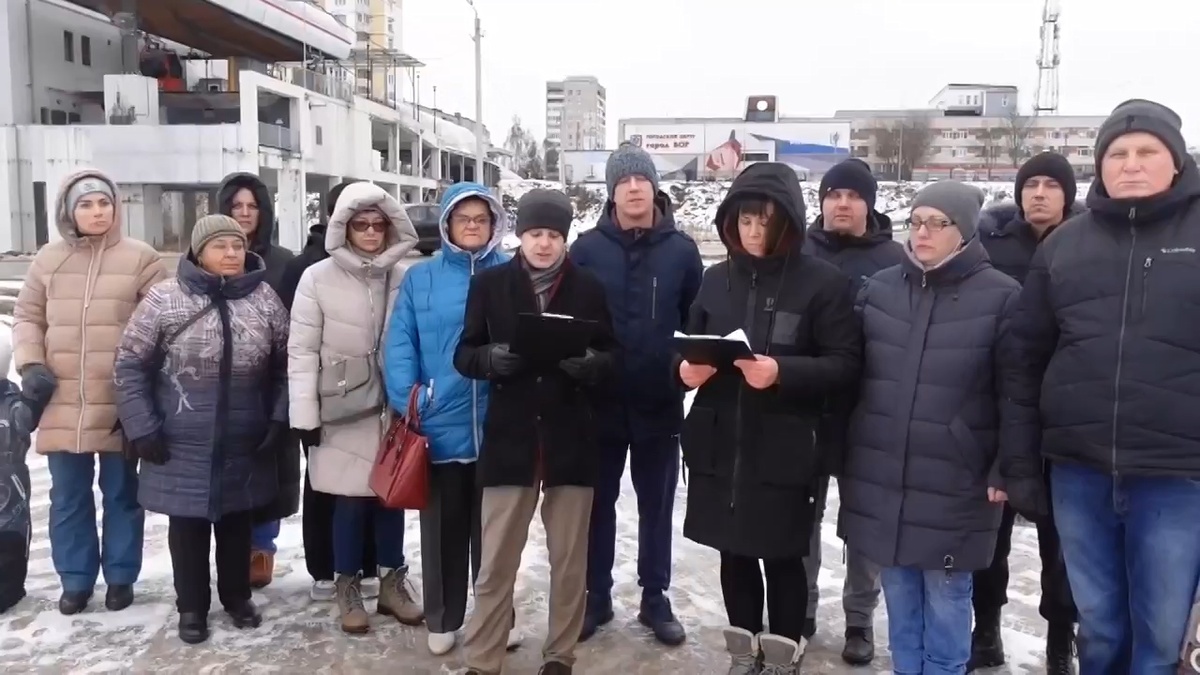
[1026, 359]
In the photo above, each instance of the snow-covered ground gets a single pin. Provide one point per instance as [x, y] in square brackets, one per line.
[299, 635]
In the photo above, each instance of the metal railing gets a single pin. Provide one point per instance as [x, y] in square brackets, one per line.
[276, 136]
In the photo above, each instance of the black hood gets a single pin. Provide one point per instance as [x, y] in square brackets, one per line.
[261, 241]
[1183, 191]
[316, 237]
[879, 231]
[774, 181]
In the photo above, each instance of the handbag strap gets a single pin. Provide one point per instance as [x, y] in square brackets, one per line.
[164, 342]
[413, 414]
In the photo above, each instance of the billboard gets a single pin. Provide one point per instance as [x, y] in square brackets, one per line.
[719, 150]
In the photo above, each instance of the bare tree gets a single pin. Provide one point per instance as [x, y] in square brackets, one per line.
[525, 157]
[887, 146]
[916, 138]
[1016, 136]
[992, 146]
[550, 163]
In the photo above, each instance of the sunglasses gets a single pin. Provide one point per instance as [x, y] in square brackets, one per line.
[360, 227]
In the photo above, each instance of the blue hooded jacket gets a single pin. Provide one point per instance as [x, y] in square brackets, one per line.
[651, 278]
[424, 330]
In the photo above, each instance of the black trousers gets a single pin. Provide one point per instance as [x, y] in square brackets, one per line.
[786, 594]
[189, 541]
[991, 585]
[450, 544]
[14, 567]
[317, 522]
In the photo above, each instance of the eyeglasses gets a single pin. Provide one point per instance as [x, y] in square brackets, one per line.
[360, 227]
[463, 221]
[931, 224]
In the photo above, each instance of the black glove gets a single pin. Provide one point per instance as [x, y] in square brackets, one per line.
[37, 386]
[502, 362]
[309, 438]
[584, 368]
[152, 449]
[275, 431]
[1029, 498]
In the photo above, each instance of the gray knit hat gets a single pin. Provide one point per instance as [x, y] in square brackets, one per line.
[960, 202]
[211, 227]
[629, 160]
[85, 186]
[1136, 115]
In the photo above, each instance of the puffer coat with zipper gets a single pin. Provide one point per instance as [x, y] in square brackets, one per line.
[78, 295]
[340, 312]
[425, 328]
[752, 455]
[222, 383]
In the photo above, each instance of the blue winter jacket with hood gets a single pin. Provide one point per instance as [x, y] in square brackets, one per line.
[424, 330]
[651, 278]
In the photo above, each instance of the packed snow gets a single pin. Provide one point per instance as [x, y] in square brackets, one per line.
[299, 635]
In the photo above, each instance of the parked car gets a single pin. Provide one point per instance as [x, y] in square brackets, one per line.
[425, 218]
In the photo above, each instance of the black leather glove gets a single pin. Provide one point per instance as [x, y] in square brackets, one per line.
[309, 437]
[37, 386]
[584, 368]
[152, 449]
[502, 362]
[275, 432]
[1029, 498]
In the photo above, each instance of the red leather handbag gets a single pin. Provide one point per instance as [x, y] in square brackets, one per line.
[400, 476]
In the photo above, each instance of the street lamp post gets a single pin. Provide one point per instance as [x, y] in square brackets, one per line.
[480, 153]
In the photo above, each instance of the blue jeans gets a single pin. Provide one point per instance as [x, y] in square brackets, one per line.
[349, 516]
[929, 620]
[1132, 546]
[79, 553]
[263, 536]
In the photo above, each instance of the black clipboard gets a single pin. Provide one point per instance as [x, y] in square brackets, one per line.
[712, 351]
[550, 338]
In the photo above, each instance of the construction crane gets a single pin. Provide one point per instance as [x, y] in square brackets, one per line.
[1045, 97]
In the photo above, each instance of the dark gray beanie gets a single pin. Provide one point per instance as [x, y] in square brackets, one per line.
[545, 209]
[1138, 114]
[960, 202]
[629, 160]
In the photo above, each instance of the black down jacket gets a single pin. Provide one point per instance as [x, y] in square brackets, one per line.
[1109, 331]
[925, 432]
[751, 454]
[1010, 240]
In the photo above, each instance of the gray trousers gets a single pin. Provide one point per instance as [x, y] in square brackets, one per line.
[860, 592]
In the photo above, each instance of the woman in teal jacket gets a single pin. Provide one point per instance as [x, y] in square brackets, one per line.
[424, 331]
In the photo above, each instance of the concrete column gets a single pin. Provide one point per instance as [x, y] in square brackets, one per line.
[289, 206]
[141, 213]
[325, 186]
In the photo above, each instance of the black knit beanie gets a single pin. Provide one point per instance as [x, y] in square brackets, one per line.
[850, 174]
[1051, 165]
[542, 208]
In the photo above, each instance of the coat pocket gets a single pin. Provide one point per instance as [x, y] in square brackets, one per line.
[968, 450]
[697, 440]
[787, 454]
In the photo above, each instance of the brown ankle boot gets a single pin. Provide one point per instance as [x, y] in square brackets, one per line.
[397, 598]
[262, 569]
[350, 605]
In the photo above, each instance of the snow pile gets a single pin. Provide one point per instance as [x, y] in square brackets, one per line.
[696, 202]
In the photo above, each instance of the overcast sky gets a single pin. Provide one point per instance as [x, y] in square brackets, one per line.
[702, 58]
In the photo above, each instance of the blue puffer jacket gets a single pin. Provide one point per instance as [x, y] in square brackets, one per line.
[651, 278]
[423, 334]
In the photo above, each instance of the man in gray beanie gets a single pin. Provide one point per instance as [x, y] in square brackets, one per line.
[651, 273]
[1107, 337]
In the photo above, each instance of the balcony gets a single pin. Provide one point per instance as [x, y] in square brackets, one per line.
[278, 137]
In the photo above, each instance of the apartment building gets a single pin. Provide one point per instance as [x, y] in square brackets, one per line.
[377, 66]
[168, 110]
[575, 116]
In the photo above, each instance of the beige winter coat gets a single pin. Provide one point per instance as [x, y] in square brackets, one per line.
[77, 297]
[341, 309]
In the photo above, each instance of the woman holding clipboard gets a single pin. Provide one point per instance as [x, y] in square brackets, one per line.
[749, 441]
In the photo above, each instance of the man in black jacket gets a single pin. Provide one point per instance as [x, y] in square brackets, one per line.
[1109, 345]
[1011, 232]
[856, 238]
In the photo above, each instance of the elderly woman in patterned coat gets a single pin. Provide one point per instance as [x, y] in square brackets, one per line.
[201, 386]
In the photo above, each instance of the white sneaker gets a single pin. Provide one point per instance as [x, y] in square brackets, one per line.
[514, 638]
[323, 590]
[441, 643]
[370, 588]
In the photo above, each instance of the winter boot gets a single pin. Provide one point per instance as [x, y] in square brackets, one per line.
[244, 615]
[987, 649]
[118, 597]
[599, 612]
[193, 627]
[262, 569]
[742, 646]
[780, 655]
[396, 598]
[859, 649]
[656, 614]
[350, 605]
[1060, 649]
[554, 668]
[73, 602]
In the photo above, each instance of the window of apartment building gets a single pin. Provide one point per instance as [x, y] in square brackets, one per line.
[85, 50]
[364, 73]
[74, 118]
[45, 115]
[69, 46]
